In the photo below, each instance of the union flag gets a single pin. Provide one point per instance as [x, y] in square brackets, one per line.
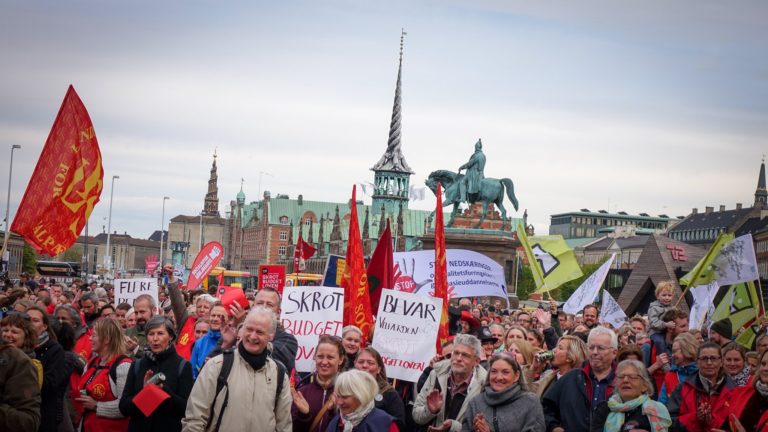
[357, 301]
[441, 271]
[66, 183]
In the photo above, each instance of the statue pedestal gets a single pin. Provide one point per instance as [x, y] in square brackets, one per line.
[471, 216]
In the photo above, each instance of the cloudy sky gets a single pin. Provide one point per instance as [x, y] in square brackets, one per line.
[649, 106]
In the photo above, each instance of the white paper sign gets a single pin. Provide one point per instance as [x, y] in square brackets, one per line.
[308, 312]
[611, 312]
[470, 273]
[405, 332]
[126, 290]
[587, 292]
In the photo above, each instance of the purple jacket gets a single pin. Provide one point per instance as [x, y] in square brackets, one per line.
[316, 396]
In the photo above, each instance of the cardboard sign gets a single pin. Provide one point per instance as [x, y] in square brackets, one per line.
[205, 261]
[405, 332]
[126, 290]
[272, 276]
[307, 313]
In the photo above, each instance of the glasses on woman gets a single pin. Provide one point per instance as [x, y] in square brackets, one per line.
[709, 359]
[630, 377]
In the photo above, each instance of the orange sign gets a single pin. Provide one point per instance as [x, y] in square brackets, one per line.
[66, 183]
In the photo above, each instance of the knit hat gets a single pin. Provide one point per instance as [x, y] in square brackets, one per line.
[723, 328]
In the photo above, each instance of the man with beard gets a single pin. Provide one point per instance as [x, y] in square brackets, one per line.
[590, 316]
[144, 308]
[89, 306]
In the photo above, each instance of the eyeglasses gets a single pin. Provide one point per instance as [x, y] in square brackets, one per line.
[709, 359]
[599, 348]
[631, 377]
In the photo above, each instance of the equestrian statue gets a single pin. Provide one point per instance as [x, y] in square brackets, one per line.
[473, 187]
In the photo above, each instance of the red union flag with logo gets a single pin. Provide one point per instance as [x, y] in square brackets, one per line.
[205, 261]
[66, 183]
[357, 302]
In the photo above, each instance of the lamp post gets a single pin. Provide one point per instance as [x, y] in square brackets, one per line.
[109, 227]
[162, 233]
[3, 250]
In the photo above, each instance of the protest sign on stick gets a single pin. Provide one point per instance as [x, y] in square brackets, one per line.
[307, 313]
[126, 290]
[205, 261]
[272, 276]
[405, 332]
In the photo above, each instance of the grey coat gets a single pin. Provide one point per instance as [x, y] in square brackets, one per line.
[516, 411]
[655, 311]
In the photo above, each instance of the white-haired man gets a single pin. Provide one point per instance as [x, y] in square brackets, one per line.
[570, 402]
[254, 394]
[442, 401]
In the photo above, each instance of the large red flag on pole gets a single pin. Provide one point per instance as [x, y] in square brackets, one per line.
[441, 272]
[66, 183]
[381, 268]
[357, 302]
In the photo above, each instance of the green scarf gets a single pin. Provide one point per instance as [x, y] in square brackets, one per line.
[657, 413]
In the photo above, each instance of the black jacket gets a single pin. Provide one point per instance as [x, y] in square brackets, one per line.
[567, 403]
[390, 403]
[55, 380]
[167, 417]
[636, 418]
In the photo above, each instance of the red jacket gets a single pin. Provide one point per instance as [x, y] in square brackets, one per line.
[742, 398]
[688, 397]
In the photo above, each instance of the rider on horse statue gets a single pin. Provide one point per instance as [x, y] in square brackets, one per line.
[470, 186]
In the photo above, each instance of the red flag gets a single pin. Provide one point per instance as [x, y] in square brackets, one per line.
[381, 268]
[205, 261]
[66, 183]
[441, 272]
[302, 252]
[357, 302]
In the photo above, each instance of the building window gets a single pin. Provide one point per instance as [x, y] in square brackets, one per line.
[284, 220]
[283, 235]
[307, 221]
[282, 250]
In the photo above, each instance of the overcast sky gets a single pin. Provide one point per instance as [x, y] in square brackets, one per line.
[649, 106]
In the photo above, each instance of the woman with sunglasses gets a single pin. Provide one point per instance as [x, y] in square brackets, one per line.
[702, 401]
[313, 403]
[505, 403]
[162, 366]
[369, 360]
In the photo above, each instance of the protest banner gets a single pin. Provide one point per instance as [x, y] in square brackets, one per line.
[272, 276]
[470, 274]
[588, 290]
[334, 270]
[205, 261]
[611, 312]
[405, 332]
[126, 290]
[307, 313]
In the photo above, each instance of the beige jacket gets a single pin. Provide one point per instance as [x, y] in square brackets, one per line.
[421, 413]
[251, 406]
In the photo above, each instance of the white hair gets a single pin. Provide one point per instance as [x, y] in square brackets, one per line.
[600, 330]
[350, 328]
[260, 311]
[469, 341]
[358, 384]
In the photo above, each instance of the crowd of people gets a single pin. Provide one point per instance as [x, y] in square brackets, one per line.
[71, 359]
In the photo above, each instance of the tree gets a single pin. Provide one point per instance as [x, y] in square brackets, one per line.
[29, 260]
[73, 254]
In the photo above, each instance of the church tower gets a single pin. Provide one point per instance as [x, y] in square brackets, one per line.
[392, 173]
[211, 204]
[761, 194]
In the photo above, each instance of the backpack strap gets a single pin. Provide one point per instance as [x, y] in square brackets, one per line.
[182, 363]
[281, 371]
[113, 369]
[221, 382]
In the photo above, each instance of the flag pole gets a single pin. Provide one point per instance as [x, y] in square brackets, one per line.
[760, 296]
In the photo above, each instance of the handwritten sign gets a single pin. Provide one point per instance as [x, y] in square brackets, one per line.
[272, 276]
[405, 333]
[307, 313]
[126, 290]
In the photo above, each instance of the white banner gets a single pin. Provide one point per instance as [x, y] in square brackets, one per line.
[470, 274]
[736, 262]
[126, 290]
[703, 296]
[587, 292]
[308, 312]
[405, 332]
[611, 312]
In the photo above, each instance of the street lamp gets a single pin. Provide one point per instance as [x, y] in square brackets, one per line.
[109, 227]
[8, 207]
[162, 232]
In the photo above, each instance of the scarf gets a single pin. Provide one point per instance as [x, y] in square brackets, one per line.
[257, 361]
[741, 378]
[711, 386]
[494, 398]
[761, 388]
[656, 412]
[162, 355]
[43, 338]
[354, 418]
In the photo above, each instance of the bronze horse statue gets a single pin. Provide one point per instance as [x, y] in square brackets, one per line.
[491, 191]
